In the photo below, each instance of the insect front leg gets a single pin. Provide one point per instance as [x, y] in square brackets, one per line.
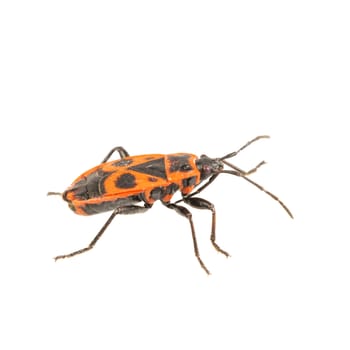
[122, 153]
[200, 203]
[187, 214]
[199, 190]
[130, 209]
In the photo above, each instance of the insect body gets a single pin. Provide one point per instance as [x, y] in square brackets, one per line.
[121, 185]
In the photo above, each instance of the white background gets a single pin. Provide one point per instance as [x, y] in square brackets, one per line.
[80, 77]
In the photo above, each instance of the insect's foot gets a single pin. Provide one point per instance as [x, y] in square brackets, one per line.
[221, 250]
[202, 265]
[59, 257]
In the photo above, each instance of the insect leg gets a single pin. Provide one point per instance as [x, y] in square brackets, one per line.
[200, 189]
[200, 203]
[187, 214]
[121, 152]
[130, 209]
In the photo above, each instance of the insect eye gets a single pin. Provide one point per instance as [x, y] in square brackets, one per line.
[206, 168]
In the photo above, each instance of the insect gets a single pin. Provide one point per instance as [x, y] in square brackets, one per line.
[120, 185]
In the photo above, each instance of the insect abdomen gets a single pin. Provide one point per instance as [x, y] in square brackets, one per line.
[91, 186]
[89, 196]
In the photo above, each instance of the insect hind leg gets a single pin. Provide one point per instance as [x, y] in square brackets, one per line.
[122, 153]
[130, 209]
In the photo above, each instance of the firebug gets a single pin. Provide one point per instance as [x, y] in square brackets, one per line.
[120, 185]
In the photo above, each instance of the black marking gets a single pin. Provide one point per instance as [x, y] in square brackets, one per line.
[92, 186]
[152, 179]
[157, 193]
[179, 163]
[161, 192]
[96, 208]
[191, 181]
[123, 162]
[171, 189]
[72, 207]
[95, 183]
[155, 167]
[126, 180]
[79, 190]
